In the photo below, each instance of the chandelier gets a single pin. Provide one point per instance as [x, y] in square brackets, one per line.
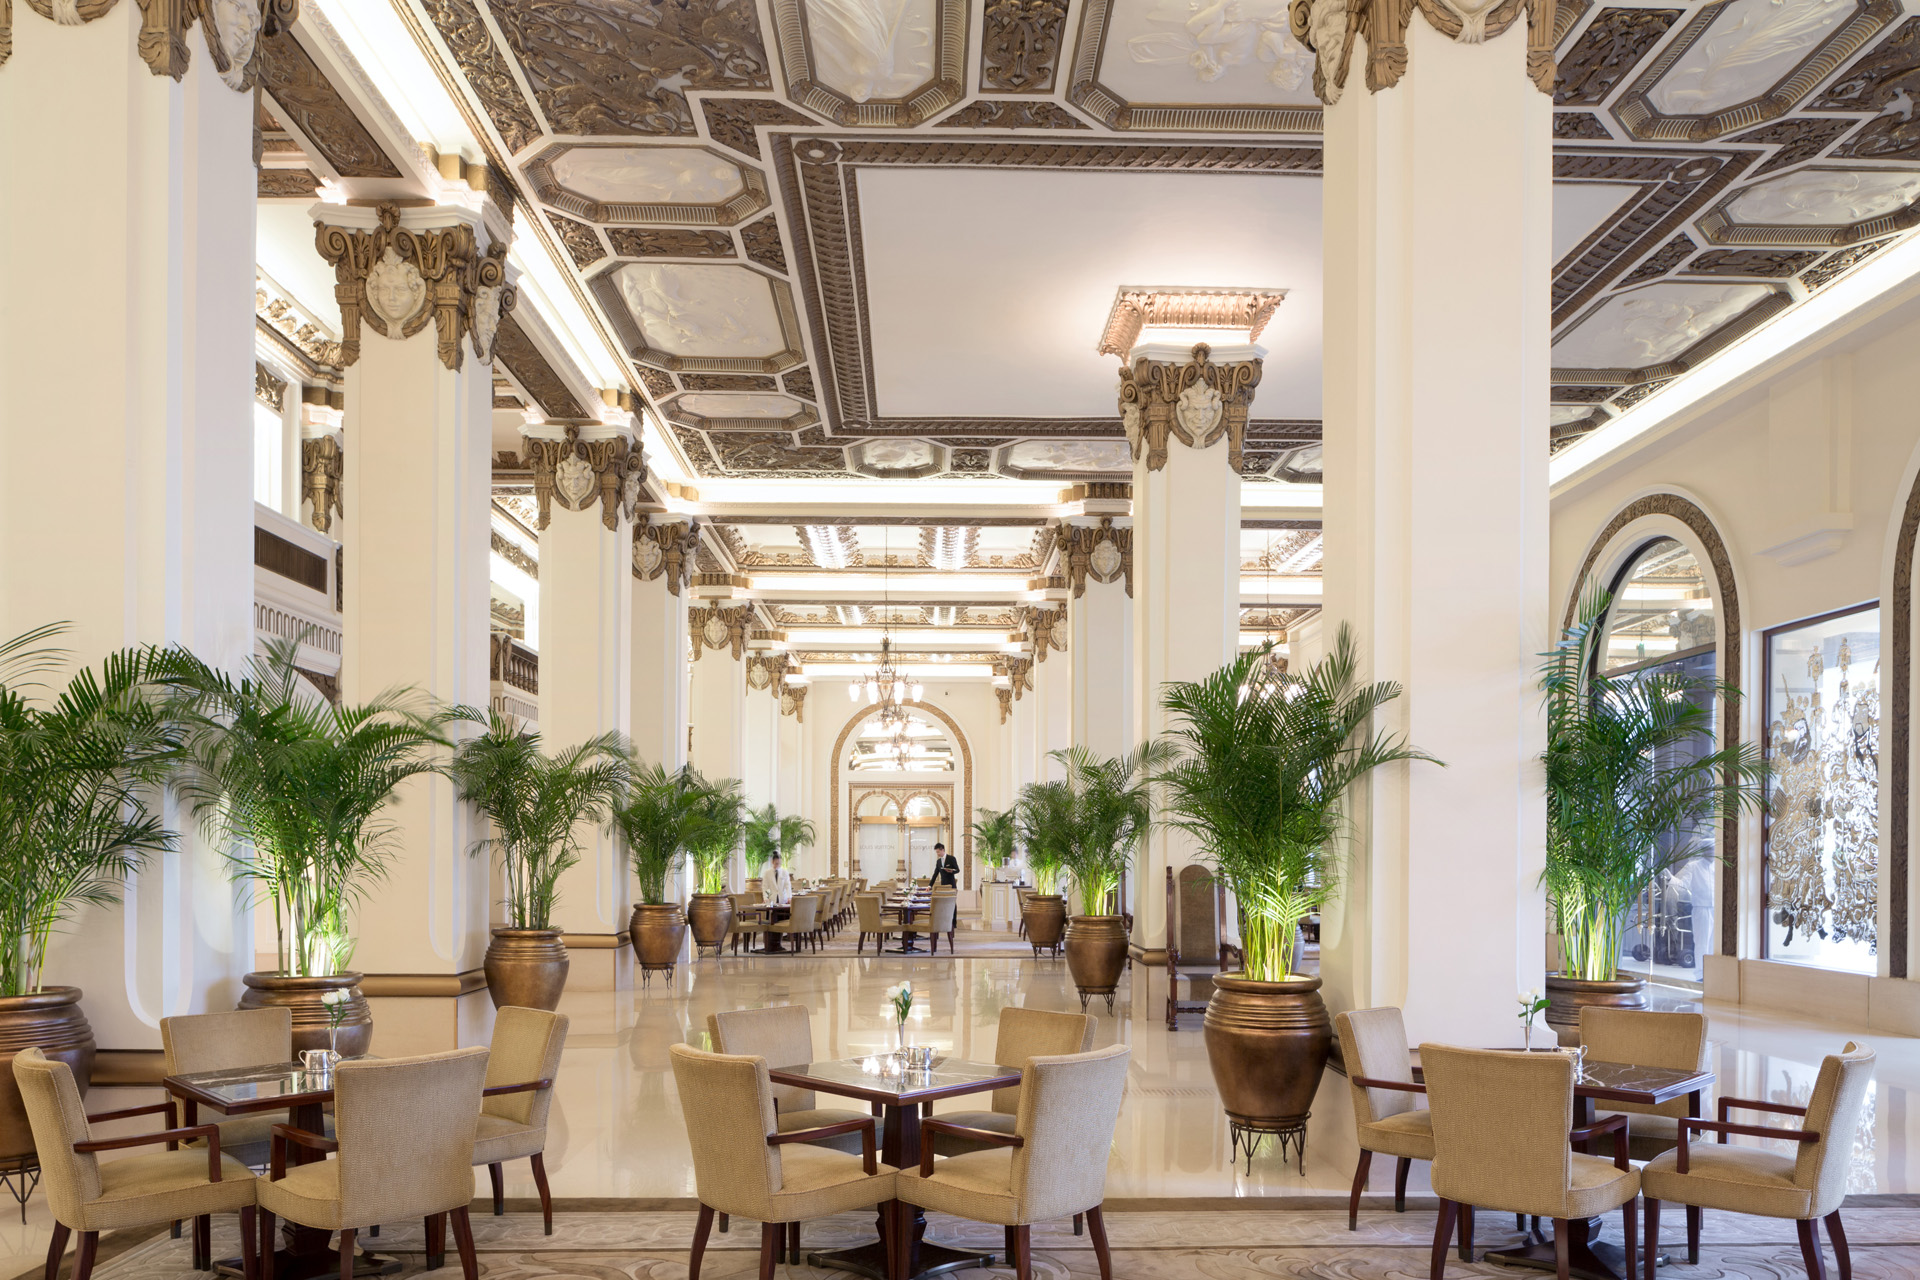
[887, 685]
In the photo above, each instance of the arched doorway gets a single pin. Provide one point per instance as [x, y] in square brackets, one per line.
[961, 818]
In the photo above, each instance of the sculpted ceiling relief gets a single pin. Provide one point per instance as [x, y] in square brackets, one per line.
[1210, 38]
[648, 175]
[485, 68]
[1070, 455]
[702, 310]
[729, 405]
[897, 455]
[1826, 197]
[1750, 47]
[1887, 80]
[1652, 326]
[872, 48]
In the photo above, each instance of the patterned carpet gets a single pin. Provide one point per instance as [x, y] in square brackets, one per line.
[614, 1244]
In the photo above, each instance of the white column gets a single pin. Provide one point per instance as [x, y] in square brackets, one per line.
[126, 436]
[1098, 558]
[587, 475]
[718, 629]
[1052, 675]
[1436, 521]
[760, 728]
[662, 566]
[1186, 552]
[417, 532]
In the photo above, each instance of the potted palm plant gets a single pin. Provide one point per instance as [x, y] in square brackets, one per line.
[76, 817]
[1111, 814]
[1043, 816]
[766, 831]
[293, 788]
[993, 836]
[659, 821]
[536, 803]
[1265, 761]
[1634, 789]
[720, 808]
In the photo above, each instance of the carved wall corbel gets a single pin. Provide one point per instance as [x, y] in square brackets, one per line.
[1019, 673]
[1102, 552]
[575, 472]
[718, 627]
[793, 701]
[665, 549]
[322, 466]
[396, 279]
[1005, 695]
[1198, 403]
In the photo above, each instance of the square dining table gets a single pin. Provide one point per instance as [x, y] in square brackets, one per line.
[1602, 1082]
[897, 1096]
[304, 1095]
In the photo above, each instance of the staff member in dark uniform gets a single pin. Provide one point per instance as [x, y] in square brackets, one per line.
[946, 867]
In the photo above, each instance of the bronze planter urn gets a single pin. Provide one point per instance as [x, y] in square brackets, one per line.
[307, 998]
[709, 915]
[51, 1020]
[526, 968]
[1096, 953]
[1566, 996]
[1046, 918]
[658, 930]
[1267, 1043]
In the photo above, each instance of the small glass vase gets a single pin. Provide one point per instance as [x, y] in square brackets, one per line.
[1529, 1036]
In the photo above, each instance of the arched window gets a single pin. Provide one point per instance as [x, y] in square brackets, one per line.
[1662, 620]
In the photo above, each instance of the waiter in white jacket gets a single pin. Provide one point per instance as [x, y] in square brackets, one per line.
[777, 883]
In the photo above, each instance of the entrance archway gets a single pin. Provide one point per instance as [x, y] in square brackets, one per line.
[962, 816]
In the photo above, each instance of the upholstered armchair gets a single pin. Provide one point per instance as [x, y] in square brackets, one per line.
[1805, 1186]
[802, 920]
[403, 1149]
[1502, 1139]
[744, 1163]
[1676, 1041]
[521, 1069]
[88, 1196]
[220, 1041]
[1053, 1164]
[872, 923]
[783, 1035]
[941, 915]
[1388, 1114]
[1022, 1035]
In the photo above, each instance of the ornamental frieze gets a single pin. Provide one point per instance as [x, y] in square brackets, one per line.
[1198, 403]
[396, 279]
[576, 473]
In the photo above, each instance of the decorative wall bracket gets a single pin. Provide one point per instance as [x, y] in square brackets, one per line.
[1101, 552]
[1045, 626]
[719, 628]
[665, 549]
[1005, 694]
[1328, 27]
[793, 701]
[1018, 671]
[322, 466]
[1197, 402]
[767, 671]
[575, 472]
[397, 278]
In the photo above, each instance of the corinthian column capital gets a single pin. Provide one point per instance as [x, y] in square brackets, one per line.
[576, 464]
[1196, 396]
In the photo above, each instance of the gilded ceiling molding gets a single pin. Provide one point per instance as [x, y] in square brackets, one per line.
[1197, 403]
[665, 549]
[1018, 670]
[296, 328]
[268, 387]
[308, 101]
[998, 113]
[532, 371]
[1102, 552]
[575, 472]
[396, 278]
[732, 121]
[1135, 308]
[487, 71]
[1020, 46]
[720, 628]
[1329, 27]
[516, 555]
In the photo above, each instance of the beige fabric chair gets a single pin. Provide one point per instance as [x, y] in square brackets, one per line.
[521, 1069]
[783, 1035]
[742, 926]
[802, 920]
[1502, 1135]
[1806, 1186]
[1676, 1041]
[221, 1041]
[1387, 1114]
[872, 923]
[1053, 1164]
[404, 1150]
[1021, 1036]
[941, 918]
[746, 1163]
[88, 1196]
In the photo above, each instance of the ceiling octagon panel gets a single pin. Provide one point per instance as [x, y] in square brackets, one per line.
[687, 186]
[1227, 66]
[702, 318]
[874, 62]
[1818, 206]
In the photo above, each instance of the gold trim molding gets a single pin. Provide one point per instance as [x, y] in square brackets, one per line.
[396, 279]
[1197, 403]
[1328, 28]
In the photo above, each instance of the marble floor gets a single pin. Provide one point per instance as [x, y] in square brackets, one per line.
[617, 1134]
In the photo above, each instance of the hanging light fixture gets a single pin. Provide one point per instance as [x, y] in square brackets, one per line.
[887, 684]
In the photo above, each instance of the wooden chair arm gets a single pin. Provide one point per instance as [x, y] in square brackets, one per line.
[211, 1132]
[285, 1133]
[1688, 1124]
[865, 1126]
[1403, 1086]
[992, 1137]
[530, 1086]
[169, 1107]
[1612, 1124]
[1755, 1104]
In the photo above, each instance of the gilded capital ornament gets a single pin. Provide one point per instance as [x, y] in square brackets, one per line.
[1005, 695]
[322, 464]
[576, 472]
[1328, 28]
[793, 701]
[1045, 626]
[1102, 552]
[396, 279]
[1018, 671]
[767, 671]
[665, 549]
[1197, 402]
[720, 628]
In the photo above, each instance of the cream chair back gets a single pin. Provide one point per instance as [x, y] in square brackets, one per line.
[1025, 1034]
[1373, 1043]
[59, 1119]
[1646, 1038]
[941, 913]
[728, 1106]
[805, 913]
[215, 1041]
[527, 1044]
[751, 898]
[868, 905]
[1833, 1112]
[1068, 1107]
[781, 1033]
[1500, 1125]
[405, 1128]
